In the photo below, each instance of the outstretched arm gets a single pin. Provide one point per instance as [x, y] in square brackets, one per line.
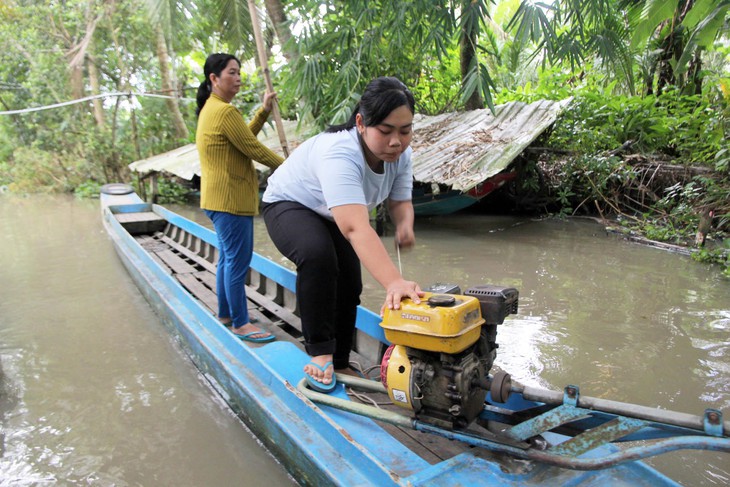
[354, 223]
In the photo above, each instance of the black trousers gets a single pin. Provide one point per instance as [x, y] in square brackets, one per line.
[329, 279]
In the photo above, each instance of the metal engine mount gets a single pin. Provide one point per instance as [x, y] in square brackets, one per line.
[442, 351]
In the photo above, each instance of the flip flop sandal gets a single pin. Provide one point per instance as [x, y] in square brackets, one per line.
[248, 337]
[320, 386]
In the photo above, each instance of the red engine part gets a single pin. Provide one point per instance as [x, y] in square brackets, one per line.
[384, 366]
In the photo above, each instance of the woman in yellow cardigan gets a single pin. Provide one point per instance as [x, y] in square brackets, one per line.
[229, 192]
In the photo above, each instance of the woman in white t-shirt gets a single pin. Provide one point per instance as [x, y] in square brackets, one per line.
[317, 206]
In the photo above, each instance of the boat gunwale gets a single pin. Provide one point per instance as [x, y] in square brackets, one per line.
[367, 321]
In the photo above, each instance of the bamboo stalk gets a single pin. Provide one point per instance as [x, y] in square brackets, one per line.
[267, 77]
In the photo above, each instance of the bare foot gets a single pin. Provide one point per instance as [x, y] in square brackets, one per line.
[323, 376]
[249, 328]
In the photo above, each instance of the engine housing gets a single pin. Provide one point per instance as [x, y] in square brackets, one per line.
[442, 351]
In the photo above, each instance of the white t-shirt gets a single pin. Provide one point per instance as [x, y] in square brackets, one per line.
[330, 170]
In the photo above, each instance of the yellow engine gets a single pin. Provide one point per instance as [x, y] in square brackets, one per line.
[442, 350]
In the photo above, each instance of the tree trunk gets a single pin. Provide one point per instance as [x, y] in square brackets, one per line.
[671, 49]
[110, 162]
[76, 75]
[94, 82]
[77, 54]
[694, 74]
[168, 86]
[468, 60]
[275, 10]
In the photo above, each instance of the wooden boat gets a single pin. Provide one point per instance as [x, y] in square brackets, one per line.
[430, 200]
[529, 437]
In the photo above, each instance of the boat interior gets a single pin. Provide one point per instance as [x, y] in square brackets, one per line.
[192, 262]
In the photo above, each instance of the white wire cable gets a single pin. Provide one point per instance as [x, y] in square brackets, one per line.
[82, 100]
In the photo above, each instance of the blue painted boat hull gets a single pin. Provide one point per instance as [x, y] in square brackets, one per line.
[318, 445]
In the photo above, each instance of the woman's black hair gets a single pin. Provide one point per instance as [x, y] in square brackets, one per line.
[215, 64]
[382, 96]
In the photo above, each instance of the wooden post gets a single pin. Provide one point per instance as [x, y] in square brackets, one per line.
[267, 77]
[153, 187]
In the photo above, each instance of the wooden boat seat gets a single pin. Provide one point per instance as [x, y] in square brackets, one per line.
[141, 223]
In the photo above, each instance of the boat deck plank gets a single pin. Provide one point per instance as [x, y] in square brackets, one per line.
[137, 223]
[150, 244]
[207, 278]
[140, 216]
[280, 312]
[192, 283]
[178, 264]
[199, 260]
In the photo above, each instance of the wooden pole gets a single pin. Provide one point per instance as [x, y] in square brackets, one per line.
[267, 77]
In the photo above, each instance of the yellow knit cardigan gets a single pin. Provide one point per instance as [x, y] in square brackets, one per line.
[226, 147]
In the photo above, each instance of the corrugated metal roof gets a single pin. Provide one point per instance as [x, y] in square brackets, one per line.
[459, 149]
[465, 148]
[184, 161]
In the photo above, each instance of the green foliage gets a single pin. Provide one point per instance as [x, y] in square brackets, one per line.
[87, 190]
[674, 218]
[343, 45]
[565, 32]
[588, 179]
[719, 255]
[36, 171]
[59, 149]
[672, 34]
[694, 26]
[693, 129]
[722, 160]
[662, 232]
[171, 192]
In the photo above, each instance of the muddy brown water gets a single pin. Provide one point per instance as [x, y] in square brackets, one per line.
[94, 391]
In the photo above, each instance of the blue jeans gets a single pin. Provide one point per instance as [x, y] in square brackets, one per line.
[235, 249]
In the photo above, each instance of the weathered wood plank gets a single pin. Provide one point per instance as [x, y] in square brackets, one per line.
[188, 253]
[175, 262]
[138, 217]
[142, 222]
[199, 290]
[208, 278]
[151, 245]
[283, 313]
[431, 448]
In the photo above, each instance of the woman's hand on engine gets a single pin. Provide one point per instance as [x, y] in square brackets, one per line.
[399, 290]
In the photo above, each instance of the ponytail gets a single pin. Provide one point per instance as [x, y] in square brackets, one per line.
[202, 96]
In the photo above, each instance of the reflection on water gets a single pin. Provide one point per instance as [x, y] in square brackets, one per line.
[100, 395]
[94, 390]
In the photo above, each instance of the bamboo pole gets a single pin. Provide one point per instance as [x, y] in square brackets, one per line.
[267, 77]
